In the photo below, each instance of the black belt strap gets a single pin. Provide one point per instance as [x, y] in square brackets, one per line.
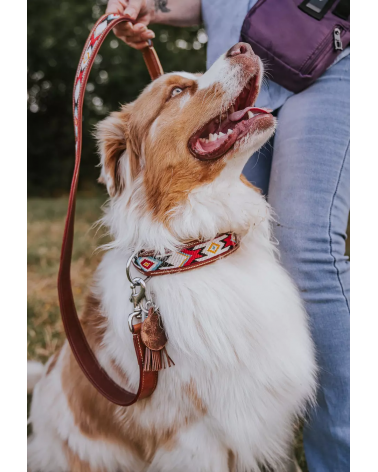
[342, 9]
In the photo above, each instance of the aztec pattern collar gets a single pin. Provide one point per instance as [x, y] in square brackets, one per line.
[190, 256]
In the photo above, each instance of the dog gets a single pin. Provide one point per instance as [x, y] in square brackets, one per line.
[245, 366]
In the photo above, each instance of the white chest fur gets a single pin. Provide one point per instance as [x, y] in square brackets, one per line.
[238, 335]
[237, 330]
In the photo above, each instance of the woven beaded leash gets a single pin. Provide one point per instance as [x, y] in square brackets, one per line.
[74, 331]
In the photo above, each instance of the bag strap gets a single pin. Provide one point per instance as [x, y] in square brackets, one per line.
[74, 331]
[342, 9]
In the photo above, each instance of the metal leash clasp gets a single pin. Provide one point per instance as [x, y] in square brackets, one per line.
[137, 297]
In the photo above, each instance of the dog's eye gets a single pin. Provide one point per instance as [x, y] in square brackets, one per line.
[176, 91]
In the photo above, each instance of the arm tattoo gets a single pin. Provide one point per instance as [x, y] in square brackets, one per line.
[162, 6]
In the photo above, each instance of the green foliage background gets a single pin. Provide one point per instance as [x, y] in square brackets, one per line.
[56, 35]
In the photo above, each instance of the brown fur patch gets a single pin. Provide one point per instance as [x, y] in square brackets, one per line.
[170, 444]
[99, 419]
[90, 409]
[95, 416]
[169, 181]
[171, 172]
[231, 461]
[191, 390]
[93, 322]
[118, 371]
[246, 182]
[112, 135]
[76, 464]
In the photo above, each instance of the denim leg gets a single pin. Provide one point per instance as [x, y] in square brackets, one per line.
[309, 191]
[257, 169]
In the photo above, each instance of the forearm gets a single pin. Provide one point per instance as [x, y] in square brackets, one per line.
[177, 12]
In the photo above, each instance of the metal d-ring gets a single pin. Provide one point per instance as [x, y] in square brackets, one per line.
[136, 314]
[128, 265]
[149, 304]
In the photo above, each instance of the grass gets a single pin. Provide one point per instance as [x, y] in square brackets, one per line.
[45, 229]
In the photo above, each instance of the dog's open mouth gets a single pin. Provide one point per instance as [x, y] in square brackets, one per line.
[215, 138]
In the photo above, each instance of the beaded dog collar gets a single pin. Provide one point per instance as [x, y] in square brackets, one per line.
[190, 256]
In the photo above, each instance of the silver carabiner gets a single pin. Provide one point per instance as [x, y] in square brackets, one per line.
[137, 297]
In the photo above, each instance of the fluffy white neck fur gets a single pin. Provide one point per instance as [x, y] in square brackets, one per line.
[226, 204]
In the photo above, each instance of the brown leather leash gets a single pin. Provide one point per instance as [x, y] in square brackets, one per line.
[74, 331]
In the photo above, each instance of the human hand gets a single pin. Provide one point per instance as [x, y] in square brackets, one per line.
[142, 12]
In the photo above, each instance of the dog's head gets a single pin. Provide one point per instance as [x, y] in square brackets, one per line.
[183, 130]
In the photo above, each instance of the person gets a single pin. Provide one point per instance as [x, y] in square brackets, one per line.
[304, 172]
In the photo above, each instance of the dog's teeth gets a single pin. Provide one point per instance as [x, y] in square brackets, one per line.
[250, 114]
[229, 131]
[214, 137]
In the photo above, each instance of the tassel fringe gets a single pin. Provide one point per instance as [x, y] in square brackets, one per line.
[156, 360]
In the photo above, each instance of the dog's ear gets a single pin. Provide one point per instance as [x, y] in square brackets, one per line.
[118, 163]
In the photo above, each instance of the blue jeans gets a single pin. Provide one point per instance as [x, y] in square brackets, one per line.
[304, 171]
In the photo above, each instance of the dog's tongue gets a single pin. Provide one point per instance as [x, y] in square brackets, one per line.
[238, 115]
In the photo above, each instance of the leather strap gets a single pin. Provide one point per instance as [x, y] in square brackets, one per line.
[74, 331]
[342, 9]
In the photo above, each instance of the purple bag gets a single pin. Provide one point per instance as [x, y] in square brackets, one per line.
[298, 40]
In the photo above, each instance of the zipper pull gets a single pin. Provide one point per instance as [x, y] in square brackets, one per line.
[337, 43]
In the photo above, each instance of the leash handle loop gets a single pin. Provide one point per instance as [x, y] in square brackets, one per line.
[74, 331]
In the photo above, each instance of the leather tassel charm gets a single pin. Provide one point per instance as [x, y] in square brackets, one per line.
[154, 338]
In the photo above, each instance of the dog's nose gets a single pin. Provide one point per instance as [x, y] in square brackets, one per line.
[240, 48]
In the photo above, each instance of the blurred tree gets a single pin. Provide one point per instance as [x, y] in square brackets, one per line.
[56, 35]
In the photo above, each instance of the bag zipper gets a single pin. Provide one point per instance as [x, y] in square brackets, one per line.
[331, 42]
[337, 42]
